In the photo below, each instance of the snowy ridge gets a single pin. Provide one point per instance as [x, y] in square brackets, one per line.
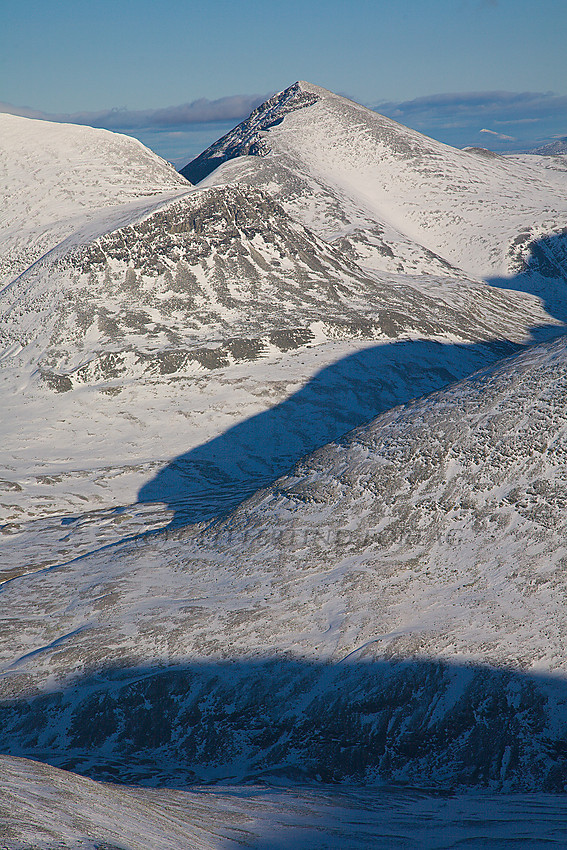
[557, 148]
[230, 262]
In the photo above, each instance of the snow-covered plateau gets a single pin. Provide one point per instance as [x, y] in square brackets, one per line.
[284, 492]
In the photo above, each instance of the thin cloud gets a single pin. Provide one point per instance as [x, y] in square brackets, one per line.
[507, 105]
[202, 111]
[499, 135]
[22, 111]
[458, 117]
[519, 121]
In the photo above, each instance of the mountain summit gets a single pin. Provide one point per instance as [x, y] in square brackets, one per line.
[246, 138]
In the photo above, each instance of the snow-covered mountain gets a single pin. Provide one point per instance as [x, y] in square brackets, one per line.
[174, 318]
[324, 605]
[391, 197]
[557, 148]
[55, 178]
[218, 301]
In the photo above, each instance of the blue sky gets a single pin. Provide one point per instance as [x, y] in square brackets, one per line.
[62, 57]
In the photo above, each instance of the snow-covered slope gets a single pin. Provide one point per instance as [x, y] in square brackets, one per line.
[195, 317]
[392, 197]
[55, 177]
[44, 808]
[402, 594]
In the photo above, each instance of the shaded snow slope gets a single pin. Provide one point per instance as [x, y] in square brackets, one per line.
[401, 593]
[54, 177]
[44, 807]
[392, 197]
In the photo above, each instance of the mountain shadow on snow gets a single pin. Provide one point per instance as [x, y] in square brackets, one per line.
[542, 271]
[417, 722]
[215, 477]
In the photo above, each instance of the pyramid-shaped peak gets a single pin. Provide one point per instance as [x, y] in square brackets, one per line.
[341, 115]
[245, 138]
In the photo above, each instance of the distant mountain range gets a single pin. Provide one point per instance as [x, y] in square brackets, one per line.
[557, 148]
[284, 491]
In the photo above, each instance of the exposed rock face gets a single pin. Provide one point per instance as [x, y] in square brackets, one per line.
[246, 139]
